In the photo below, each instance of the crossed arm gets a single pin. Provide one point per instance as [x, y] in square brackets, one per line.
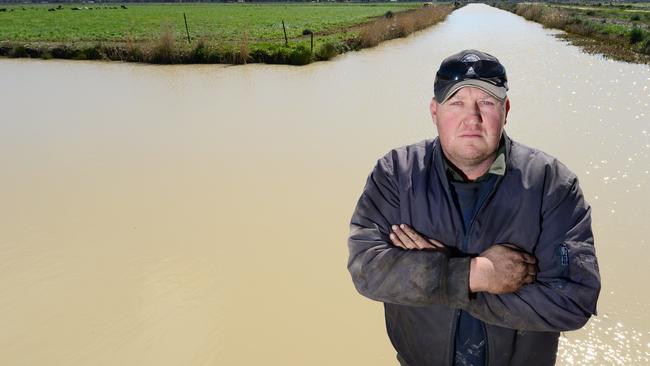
[512, 289]
[500, 269]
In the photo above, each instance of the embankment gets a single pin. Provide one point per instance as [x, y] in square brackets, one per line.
[619, 32]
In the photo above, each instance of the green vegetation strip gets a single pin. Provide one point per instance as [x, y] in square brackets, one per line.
[218, 33]
[618, 31]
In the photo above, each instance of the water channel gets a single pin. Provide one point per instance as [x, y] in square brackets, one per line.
[198, 215]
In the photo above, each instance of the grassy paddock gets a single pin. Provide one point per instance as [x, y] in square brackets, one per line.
[219, 33]
[618, 31]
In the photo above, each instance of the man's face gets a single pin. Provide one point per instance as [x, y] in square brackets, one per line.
[469, 125]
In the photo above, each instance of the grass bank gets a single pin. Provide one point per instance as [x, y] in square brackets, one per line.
[620, 31]
[216, 33]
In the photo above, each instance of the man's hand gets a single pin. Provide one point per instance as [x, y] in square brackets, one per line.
[405, 237]
[502, 268]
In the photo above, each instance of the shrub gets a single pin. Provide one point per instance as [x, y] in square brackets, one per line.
[164, 49]
[555, 18]
[79, 55]
[404, 26]
[374, 33]
[5, 49]
[301, 55]
[93, 52]
[635, 17]
[261, 55]
[201, 52]
[645, 49]
[281, 55]
[130, 51]
[326, 51]
[134, 53]
[584, 28]
[636, 35]
[529, 11]
[398, 25]
[244, 50]
[18, 51]
[60, 52]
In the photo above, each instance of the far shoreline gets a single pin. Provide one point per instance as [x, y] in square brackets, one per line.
[296, 50]
[617, 31]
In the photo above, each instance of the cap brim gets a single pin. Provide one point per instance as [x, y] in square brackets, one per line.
[495, 91]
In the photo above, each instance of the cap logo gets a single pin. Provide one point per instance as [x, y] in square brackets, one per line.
[470, 57]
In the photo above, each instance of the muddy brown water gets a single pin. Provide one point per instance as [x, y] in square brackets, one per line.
[198, 215]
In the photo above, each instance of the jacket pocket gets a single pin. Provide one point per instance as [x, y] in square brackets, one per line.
[559, 274]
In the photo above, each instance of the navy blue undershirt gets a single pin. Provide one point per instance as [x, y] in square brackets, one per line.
[470, 341]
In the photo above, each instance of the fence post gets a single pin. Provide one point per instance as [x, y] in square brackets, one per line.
[286, 41]
[186, 29]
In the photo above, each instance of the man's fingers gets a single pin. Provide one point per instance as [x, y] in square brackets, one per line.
[407, 238]
[528, 275]
[532, 269]
[524, 270]
[410, 238]
[404, 238]
[437, 244]
[409, 235]
[396, 241]
[418, 239]
[527, 258]
[520, 270]
[529, 279]
[519, 253]
[409, 231]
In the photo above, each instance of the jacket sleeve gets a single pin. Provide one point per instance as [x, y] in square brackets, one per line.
[384, 272]
[568, 282]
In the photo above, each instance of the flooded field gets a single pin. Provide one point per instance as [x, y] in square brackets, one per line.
[168, 215]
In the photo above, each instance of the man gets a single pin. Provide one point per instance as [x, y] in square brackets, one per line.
[481, 248]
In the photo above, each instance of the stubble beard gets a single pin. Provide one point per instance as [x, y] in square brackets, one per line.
[470, 158]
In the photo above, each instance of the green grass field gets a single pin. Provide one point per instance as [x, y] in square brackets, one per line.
[216, 22]
[636, 16]
[219, 33]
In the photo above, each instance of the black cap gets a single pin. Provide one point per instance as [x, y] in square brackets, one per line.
[470, 68]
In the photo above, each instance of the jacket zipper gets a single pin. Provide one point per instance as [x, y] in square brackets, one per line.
[487, 343]
[452, 346]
